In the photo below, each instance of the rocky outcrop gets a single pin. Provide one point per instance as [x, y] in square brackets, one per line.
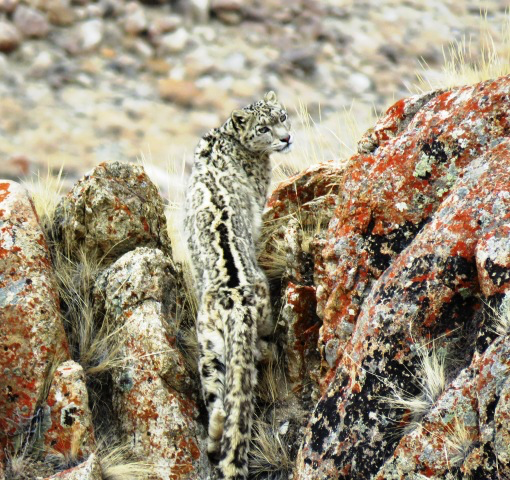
[150, 396]
[32, 337]
[296, 214]
[111, 210]
[144, 394]
[387, 197]
[417, 237]
[466, 433]
[374, 266]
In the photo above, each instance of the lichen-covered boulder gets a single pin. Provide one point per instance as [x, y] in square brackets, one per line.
[429, 292]
[32, 336]
[310, 191]
[70, 431]
[464, 435]
[389, 195]
[157, 416]
[302, 337]
[111, 210]
[297, 211]
[90, 469]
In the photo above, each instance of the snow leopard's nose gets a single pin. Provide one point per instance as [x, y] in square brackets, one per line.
[285, 139]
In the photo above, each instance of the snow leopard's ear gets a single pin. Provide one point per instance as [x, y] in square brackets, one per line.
[270, 97]
[240, 118]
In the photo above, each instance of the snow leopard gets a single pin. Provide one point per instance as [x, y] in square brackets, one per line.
[225, 198]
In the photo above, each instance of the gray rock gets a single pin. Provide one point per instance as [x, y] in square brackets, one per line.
[10, 37]
[31, 332]
[138, 293]
[112, 210]
[31, 22]
[8, 6]
[174, 42]
[134, 21]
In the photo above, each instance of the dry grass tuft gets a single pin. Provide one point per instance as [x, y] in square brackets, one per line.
[459, 442]
[431, 379]
[269, 454]
[117, 463]
[45, 192]
[501, 320]
[272, 386]
[466, 63]
[95, 343]
[321, 139]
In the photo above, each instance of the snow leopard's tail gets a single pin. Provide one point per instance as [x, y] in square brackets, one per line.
[227, 335]
[240, 335]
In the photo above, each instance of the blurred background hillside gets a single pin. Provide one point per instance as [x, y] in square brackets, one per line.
[86, 81]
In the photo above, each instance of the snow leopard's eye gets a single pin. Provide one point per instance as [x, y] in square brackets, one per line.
[263, 129]
[283, 117]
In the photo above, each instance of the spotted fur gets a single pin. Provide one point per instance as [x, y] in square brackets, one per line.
[226, 195]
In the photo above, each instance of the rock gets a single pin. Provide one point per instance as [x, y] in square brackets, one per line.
[32, 336]
[297, 212]
[17, 166]
[59, 12]
[306, 192]
[42, 63]
[467, 430]
[493, 261]
[198, 62]
[302, 336]
[199, 10]
[82, 38]
[70, 434]
[8, 6]
[302, 60]
[359, 83]
[88, 470]
[90, 34]
[182, 92]
[155, 414]
[174, 42]
[10, 37]
[134, 21]
[428, 293]
[162, 25]
[387, 197]
[31, 22]
[112, 210]
[228, 11]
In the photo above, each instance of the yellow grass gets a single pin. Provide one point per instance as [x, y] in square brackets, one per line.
[431, 379]
[467, 62]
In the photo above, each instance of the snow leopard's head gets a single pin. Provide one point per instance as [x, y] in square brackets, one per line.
[263, 126]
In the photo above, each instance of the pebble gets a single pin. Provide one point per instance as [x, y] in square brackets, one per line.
[174, 42]
[60, 12]
[165, 24]
[199, 10]
[10, 37]
[8, 6]
[134, 21]
[31, 22]
[91, 34]
[359, 83]
[181, 92]
[42, 63]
